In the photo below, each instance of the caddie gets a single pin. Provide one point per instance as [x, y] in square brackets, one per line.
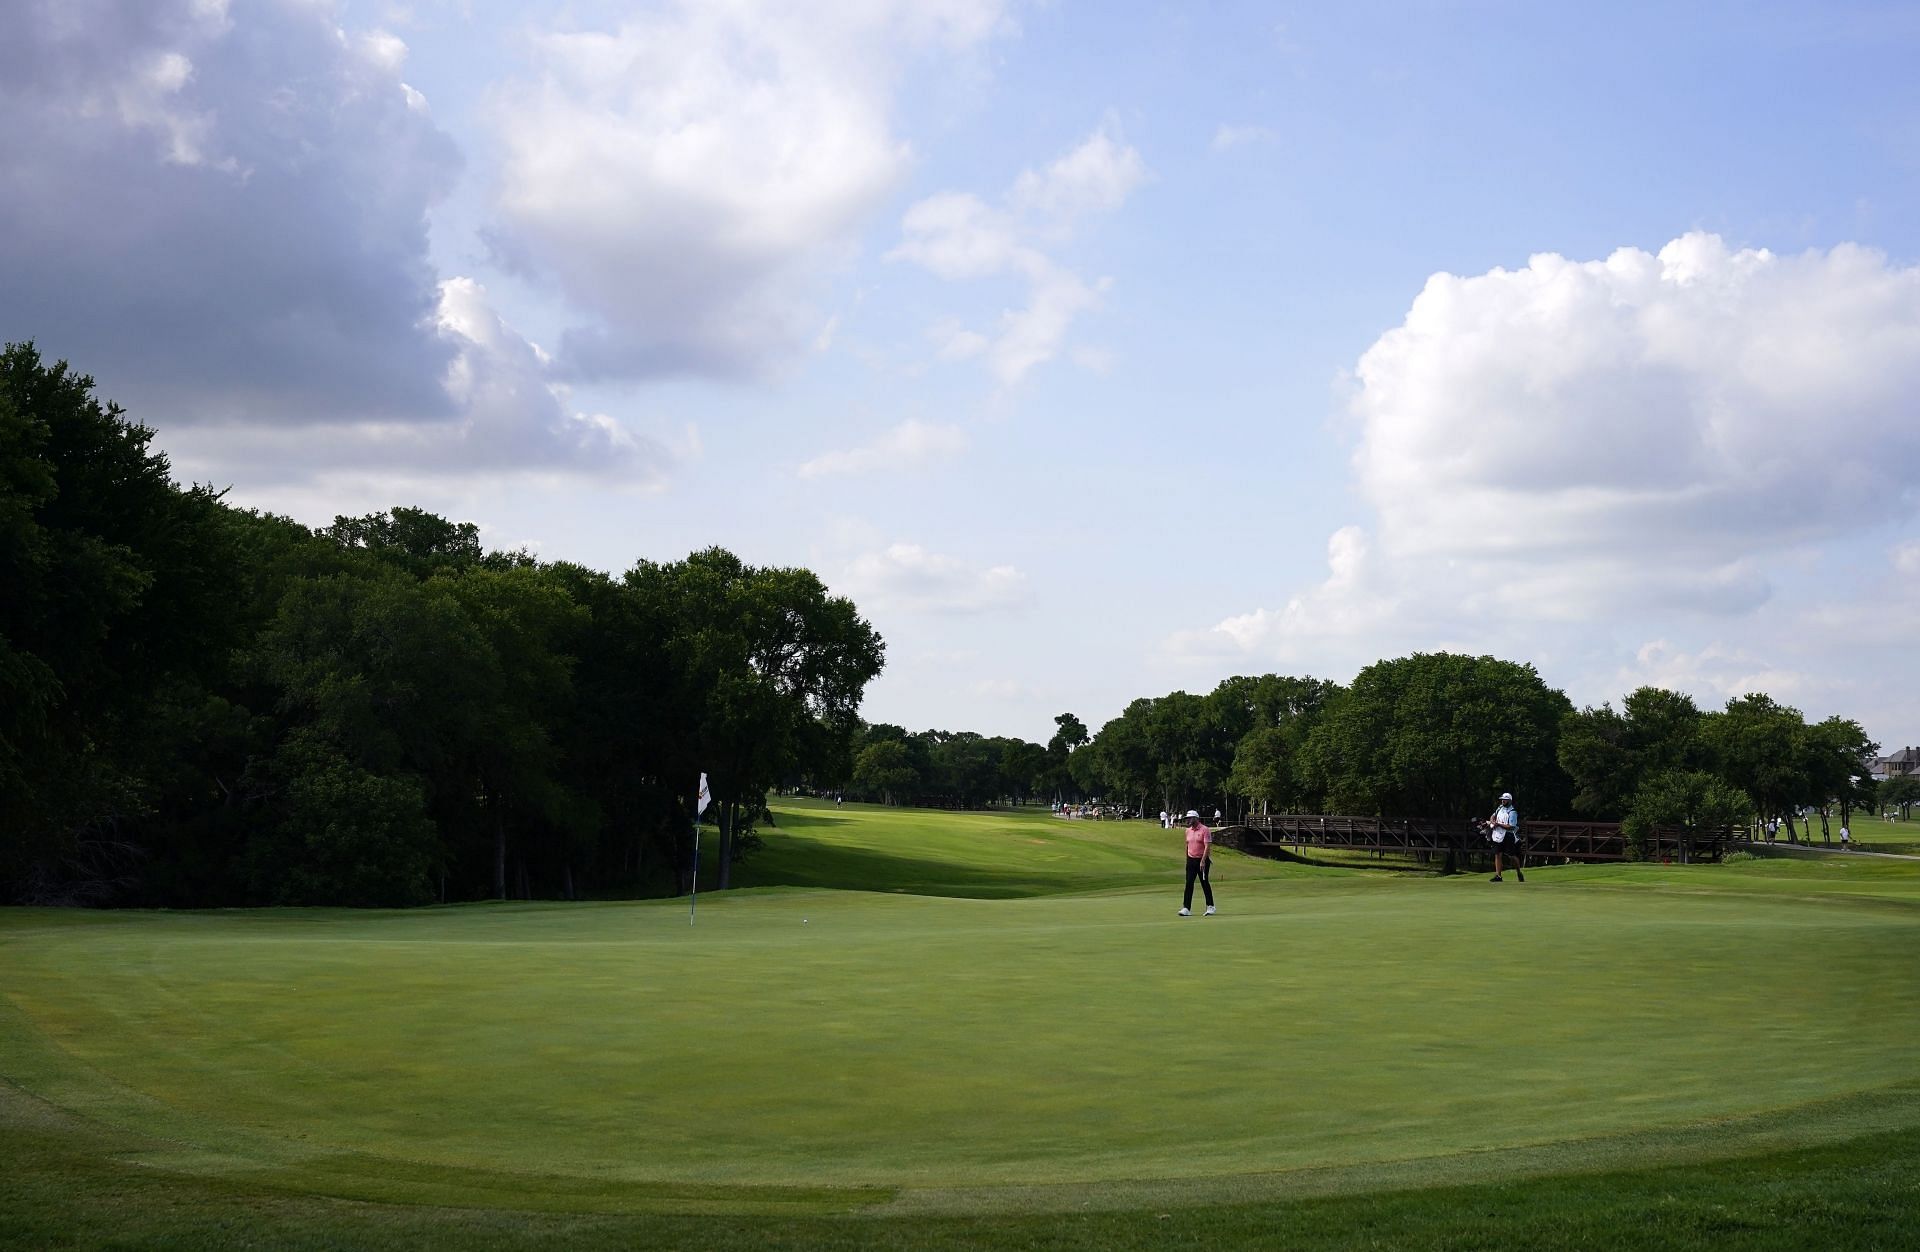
[1504, 829]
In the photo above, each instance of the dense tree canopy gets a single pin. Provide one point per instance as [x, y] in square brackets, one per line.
[1440, 735]
[116, 590]
[201, 705]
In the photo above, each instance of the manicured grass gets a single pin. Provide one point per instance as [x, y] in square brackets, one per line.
[1877, 834]
[67, 1186]
[1001, 1033]
[993, 855]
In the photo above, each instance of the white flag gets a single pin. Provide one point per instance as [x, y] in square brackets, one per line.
[701, 801]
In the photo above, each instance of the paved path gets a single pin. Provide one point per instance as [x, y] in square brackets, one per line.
[1764, 848]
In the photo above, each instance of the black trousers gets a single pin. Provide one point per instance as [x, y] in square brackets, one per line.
[1196, 868]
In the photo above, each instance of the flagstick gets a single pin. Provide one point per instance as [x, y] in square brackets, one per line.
[696, 869]
[701, 798]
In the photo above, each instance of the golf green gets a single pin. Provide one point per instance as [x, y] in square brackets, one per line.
[1071, 1042]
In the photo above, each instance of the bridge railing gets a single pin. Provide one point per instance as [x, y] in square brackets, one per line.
[1542, 840]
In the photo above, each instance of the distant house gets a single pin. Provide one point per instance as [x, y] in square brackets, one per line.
[1903, 764]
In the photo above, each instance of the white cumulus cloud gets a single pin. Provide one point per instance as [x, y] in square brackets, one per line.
[959, 236]
[1095, 177]
[906, 576]
[687, 175]
[910, 445]
[1573, 458]
[1226, 137]
[1648, 416]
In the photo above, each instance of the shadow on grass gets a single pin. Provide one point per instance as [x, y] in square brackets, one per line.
[796, 860]
[1390, 865]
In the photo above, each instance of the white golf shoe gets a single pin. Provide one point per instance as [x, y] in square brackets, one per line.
[1186, 912]
[1209, 910]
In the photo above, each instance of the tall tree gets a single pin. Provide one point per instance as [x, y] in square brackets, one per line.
[1898, 794]
[1120, 760]
[1693, 801]
[882, 770]
[1835, 753]
[1608, 754]
[766, 656]
[117, 584]
[1439, 735]
[1756, 746]
[1263, 769]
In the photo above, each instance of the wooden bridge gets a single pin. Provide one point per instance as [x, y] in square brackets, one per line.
[1461, 844]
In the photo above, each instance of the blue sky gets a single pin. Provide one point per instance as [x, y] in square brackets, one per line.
[1094, 350]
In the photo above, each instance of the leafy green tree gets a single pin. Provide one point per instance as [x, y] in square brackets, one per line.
[1756, 746]
[1271, 702]
[393, 678]
[1085, 768]
[1596, 754]
[1120, 760]
[1835, 753]
[1898, 795]
[530, 626]
[1263, 769]
[1071, 732]
[882, 769]
[1694, 801]
[1243, 703]
[621, 746]
[1068, 737]
[1023, 769]
[1609, 754]
[420, 542]
[1439, 735]
[348, 836]
[116, 590]
[764, 658]
[1182, 739]
[1664, 729]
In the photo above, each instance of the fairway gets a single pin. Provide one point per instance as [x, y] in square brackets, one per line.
[1007, 1016]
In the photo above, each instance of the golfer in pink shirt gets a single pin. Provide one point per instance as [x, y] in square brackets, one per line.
[1199, 862]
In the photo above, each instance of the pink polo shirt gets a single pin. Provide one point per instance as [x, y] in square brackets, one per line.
[1198, 837]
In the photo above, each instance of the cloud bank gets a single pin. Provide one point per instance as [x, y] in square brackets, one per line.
[223, 215]
[1647, 439]
[195, 195]
[686, 177]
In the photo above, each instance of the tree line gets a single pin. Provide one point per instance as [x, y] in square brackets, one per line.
[1428, 735]
[205, 705]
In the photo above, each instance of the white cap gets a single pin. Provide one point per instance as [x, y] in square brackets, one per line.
[1193, 812]
[1506, 795]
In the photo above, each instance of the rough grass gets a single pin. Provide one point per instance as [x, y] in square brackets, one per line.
[1000, 1036]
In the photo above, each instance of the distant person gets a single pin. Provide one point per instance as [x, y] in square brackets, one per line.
[1846, 837]
[1166, 822]
[1216, 815]
[1504, 829]
[1199, 863]
[1773, 828]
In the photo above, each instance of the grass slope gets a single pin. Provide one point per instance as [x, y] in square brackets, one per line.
[1001, 1032]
